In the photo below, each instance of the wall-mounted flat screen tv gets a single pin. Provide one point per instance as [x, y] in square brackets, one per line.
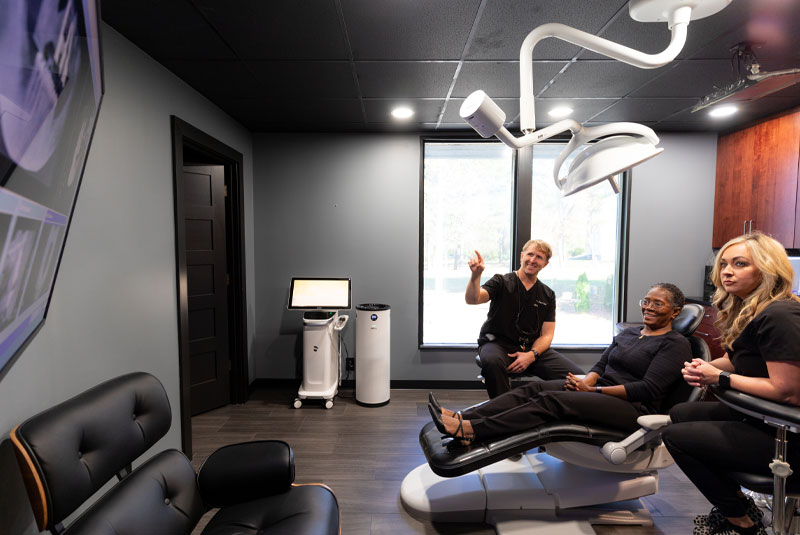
[51, 85]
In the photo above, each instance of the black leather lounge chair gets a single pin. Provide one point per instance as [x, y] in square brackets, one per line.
[70, 451]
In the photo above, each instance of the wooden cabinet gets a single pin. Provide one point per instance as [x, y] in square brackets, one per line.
[707, 331]
[757, 181]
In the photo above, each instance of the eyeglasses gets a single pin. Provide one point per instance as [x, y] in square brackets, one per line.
[653, 304]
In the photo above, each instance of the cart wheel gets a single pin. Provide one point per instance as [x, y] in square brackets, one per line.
[328, 403]
[298, 403]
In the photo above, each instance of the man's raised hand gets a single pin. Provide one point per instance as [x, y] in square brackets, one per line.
[476, 264]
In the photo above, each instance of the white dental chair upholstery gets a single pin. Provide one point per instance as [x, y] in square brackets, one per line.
[584, 466]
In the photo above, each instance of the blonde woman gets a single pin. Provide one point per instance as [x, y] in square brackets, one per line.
[759, 321]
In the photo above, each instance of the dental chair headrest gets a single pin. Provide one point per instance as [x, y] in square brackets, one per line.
[689, 318]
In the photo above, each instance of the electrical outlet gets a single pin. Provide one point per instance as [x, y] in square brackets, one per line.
[350, 363]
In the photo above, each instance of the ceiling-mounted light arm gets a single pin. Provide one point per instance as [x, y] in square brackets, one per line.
[678, 20]
[540, 135]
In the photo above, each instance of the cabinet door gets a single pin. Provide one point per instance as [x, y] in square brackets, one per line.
[775, 177]
[757, 180]
[734, 185]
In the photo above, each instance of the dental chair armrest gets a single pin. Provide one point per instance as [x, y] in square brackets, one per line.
[243, 472]
[617, 452]
[770, 412]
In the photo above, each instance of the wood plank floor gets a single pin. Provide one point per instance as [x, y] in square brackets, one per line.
[363, 454]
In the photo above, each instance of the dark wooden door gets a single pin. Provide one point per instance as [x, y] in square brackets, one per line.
[206, 282]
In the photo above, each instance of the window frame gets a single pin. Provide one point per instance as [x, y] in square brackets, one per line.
[522, 164]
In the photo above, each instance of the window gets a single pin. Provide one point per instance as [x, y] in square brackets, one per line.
[468, 194]
[468, 191]
[582, 230]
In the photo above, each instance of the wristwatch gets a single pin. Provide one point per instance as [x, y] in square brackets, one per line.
[598, 389]
[535, 353]
[724, 380]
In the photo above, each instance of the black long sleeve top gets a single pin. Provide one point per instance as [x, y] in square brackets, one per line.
[648, 366]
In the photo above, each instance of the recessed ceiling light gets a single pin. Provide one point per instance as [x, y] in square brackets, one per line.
[723, 111]
[402, 112]
[560, 111]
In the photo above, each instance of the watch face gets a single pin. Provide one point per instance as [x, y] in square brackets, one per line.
[725, 380]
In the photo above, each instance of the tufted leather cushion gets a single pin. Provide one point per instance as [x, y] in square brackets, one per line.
[75, 447]
[159, 497]
[304, 509]
[243, 472]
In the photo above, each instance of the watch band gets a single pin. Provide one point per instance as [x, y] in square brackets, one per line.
[598, 389]
[535, 353]
[725, 380]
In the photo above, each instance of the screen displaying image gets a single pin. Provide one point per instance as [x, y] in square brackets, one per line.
[320, 293]
[50, 92]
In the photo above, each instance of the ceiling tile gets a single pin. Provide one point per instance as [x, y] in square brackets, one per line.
[689, 78]
[212, 78]
[166, 29]
[770, 24]
[644, 109]
[500, 79]
[278, 29]
[583, 109]
[322, 79]
[425, 111]
[304, 112]
[405, 79]
[505, 24]
[408, 30]
[595, 79]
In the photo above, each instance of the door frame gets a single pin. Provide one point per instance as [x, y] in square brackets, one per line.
[216, 153]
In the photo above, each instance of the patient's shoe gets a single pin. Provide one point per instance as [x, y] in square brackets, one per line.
[459, 434]
[715, 519]
[435, 403]
[726, 528]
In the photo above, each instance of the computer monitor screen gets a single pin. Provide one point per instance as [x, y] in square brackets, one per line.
[318, 293]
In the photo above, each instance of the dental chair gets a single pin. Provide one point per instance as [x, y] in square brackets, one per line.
[582, 474]
[785, 493]
[69, 452]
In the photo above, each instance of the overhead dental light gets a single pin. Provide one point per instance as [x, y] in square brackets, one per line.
[626, 144]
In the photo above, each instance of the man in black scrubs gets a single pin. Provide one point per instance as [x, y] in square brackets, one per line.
[515, 338]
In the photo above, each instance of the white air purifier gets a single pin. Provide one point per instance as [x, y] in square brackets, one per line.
[373, 341]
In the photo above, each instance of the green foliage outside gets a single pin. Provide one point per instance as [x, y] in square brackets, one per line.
[582, 294]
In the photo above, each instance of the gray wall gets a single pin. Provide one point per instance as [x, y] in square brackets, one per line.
[672, 217]
[114, 307]
[348, 205]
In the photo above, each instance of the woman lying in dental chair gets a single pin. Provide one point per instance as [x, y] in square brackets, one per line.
[631, 379]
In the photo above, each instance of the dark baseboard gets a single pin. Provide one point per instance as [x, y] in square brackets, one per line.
[351, 384]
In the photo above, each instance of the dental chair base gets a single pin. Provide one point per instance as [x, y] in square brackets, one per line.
[537, 494]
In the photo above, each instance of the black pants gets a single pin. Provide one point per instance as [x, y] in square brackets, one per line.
[539, 402]
[494, 360]
[708, 441]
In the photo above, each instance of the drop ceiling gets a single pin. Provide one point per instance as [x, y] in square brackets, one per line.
[342, 65]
